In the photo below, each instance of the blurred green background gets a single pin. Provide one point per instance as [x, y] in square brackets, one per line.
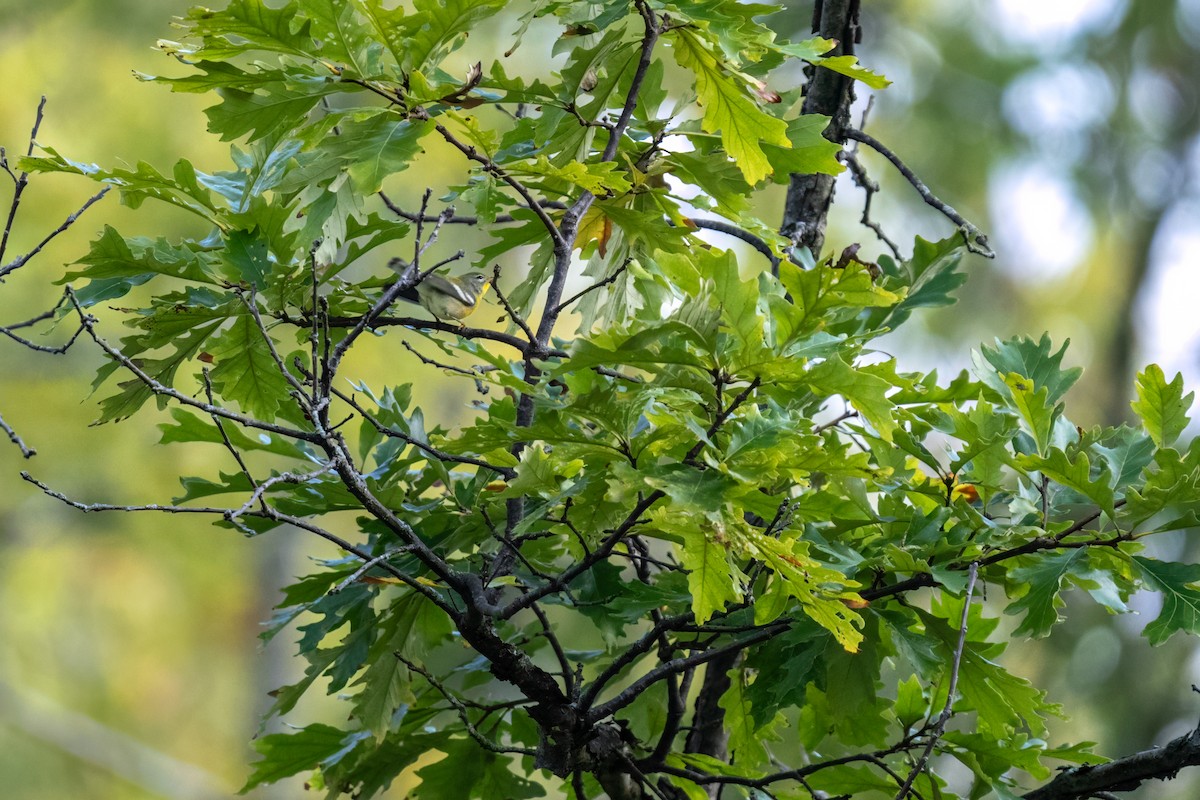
[132, 668]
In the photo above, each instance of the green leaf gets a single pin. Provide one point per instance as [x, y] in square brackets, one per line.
[1032, 360]
[745, 736]
[191, 428]
[246, 253]
[597, 178]
[866, 392]
[1177, 583]
[246, 372]
[183, 189]
[247, 25]
[113, 256]
[371, 147]
[809, 151]
[743, 125]
[1162, 406]
[286, 754]
[1042, 579]
[1004, 702]
[1175, 485]
[1127, 451]
[343, 36]
[911, 706]
[706, 555]
[849, 66]
[811, 50]
[270, 111]
[385, 688]
[848, 781]
[438, 28]
[469, 772]
[821, 591]
[1034, 407]
[1076, 475]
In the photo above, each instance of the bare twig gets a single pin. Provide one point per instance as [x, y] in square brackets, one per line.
[870, 189]
[237, 456]
[939, 725]
[21, 261]
[432, 452]
[429, 362]
[838, 420]
[366, 567]
[58, 350]
[461, 219]
[556, 645]
[631, 653]
[616, 273]
[284, 477]
[975, 239]
[14, 437]
[499, 173]
[729, 229]
[508, 309]
[675, 666]
[461, 708]
[20, 182]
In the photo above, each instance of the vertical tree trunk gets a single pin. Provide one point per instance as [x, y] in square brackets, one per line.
[809, 196]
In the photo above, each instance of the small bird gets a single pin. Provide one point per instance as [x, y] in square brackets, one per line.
[452, 297]
[445, 297]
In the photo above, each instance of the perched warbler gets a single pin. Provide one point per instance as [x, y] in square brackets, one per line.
[452, 297]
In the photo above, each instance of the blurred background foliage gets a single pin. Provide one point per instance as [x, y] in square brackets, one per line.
[1066, 129]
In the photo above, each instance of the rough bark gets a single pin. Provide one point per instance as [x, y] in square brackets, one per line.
[708, 735]
[809, 196]
[1123, 774]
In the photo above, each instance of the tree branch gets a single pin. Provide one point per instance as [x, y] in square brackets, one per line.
[939, 725]
[975, 239]
[675, 666]
[1123, 774]
[806, 207]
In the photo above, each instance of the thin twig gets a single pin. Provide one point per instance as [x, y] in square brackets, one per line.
[417, 323]
[314, 330]
[237, 455]
[508, 309]
[284, 477]
[939, 725]
[366, 567]
[14, 437]
[433, 452]
[870, 189]
[833, 423]
[556, 646]
[460, 707]
[616, 273]
[975, 239]
[729, 229]
[41, 348]
[675, 666]
[462, 219]
[564, 235]
[498, 172]
[20, 182]
[429, 362]
[21, 261]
